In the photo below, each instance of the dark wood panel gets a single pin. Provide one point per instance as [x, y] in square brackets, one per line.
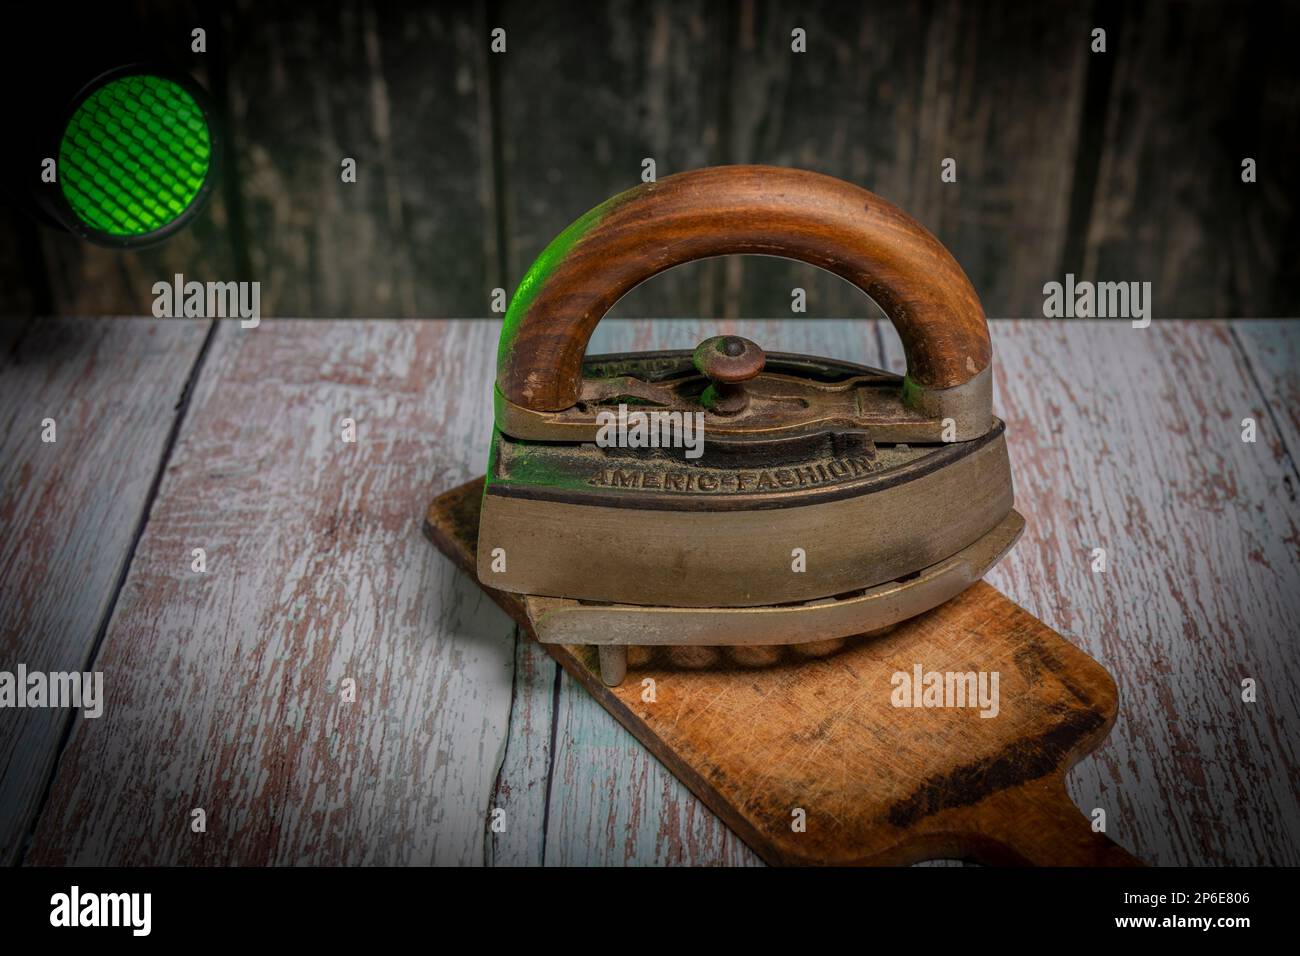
[402, 90]
[1121, 166]
[586, 93]
[884, 94]
[22, 275]
[1198, 87]
[90, 280]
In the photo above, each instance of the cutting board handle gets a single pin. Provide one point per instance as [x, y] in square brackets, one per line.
[1037, 824]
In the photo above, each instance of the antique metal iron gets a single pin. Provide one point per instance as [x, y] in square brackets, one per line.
[827, 499]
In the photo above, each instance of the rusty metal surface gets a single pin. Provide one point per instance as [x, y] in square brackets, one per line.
[565, 621]
[794, 394]
[763, 480]
[722, 546]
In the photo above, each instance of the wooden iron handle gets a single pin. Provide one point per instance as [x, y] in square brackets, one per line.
[726, 210]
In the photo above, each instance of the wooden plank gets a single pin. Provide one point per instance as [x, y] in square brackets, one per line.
[90, 280]
[403, 92]
[1129, 439]
[522, 789]
[22, 270]
[1159, 777]
[71, 507]
[813, 735]
[1197, 88]
[588, 92]
[225, 689]
[884, 94]
[1273, 350]
[613, 803]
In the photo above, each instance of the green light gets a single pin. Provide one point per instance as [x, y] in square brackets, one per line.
[546, 263]
[134, 155]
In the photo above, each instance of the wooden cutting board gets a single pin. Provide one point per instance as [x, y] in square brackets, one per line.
[803, 753]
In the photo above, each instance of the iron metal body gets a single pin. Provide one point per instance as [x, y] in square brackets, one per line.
[800, 469]
[825, 499]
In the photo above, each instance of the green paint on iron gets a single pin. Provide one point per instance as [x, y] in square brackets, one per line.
[134, 155]
[546, 265]
[535, 465]
[911, 392]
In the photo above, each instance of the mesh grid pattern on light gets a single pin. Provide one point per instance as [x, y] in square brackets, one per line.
[134, 155]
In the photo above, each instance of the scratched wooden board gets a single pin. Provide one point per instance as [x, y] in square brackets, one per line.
[884, 94]
[603, 799]
[614, 804]
[225, 690]
[523, 779]
[1205, 81]
[1273, 348]
[1129, 440]
[71, 507]
[814, 731]
[1149, 823]
[587, 91]
[402, 90]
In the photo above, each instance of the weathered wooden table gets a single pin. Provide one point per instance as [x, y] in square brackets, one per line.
[228, 690]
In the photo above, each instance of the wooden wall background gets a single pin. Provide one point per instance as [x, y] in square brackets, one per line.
[1118, 166]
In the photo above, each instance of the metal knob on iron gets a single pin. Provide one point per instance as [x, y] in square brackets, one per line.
[896, 489]
[729, 361]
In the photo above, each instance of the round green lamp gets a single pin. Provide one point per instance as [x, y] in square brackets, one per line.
[137, 158]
